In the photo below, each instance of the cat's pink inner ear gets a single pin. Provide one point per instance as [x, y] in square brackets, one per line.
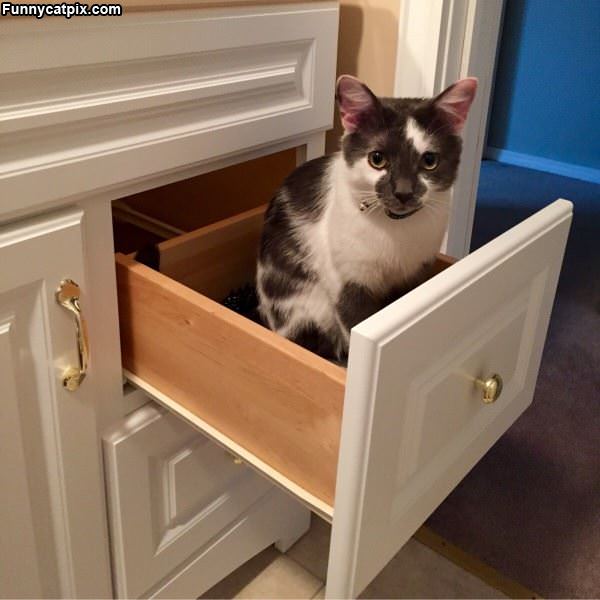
[354, 100]
[456, 101]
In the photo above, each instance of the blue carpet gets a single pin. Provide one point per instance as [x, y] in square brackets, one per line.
[531, 507]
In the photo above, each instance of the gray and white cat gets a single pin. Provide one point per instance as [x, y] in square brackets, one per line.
[348, 233]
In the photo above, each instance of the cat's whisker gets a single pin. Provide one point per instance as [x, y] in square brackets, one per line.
[375, 206]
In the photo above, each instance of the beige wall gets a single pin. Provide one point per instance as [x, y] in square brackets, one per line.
[367, 47]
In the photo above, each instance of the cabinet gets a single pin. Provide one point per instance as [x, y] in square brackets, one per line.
[153, 98]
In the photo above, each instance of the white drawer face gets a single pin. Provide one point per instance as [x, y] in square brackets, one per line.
[155, 92]
[414, 420]
[170, 492]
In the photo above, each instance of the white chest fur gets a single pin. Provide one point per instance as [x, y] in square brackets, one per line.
[370, 248]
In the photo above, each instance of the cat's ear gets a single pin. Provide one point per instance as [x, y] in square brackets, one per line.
[358, 105]
[455, 101]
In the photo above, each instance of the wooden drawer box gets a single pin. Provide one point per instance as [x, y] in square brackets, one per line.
[275, 398]
[278, 400]
[382, 442]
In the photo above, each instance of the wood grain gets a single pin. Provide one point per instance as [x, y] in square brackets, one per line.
[217, 258]
[276, 399]
[193, 203]
[442, 261]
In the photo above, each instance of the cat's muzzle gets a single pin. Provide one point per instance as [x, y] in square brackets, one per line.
[402, 214]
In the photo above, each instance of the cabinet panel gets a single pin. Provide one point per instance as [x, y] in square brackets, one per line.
[172, 493]
[196, 84]
[48, 450]
[18, 550]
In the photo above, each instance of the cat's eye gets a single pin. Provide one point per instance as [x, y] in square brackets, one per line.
[430, 160]
[377, 159]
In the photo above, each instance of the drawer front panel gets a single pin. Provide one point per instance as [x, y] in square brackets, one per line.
[174, 89]
[414, 418]
[171, 491]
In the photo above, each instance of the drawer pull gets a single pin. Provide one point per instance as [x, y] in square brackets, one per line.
[492, 388]
[67, 295]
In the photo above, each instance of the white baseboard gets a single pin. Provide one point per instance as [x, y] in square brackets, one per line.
[542, 164]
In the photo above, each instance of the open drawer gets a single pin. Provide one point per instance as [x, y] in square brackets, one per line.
[376, 447]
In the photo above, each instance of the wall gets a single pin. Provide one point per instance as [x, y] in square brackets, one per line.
[367, 48]
[546, 107]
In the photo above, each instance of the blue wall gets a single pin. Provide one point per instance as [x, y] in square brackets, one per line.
[546, 106]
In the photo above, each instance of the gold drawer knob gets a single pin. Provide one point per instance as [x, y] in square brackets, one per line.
[492, 388]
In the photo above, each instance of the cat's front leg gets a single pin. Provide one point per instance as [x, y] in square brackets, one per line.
[309, 335]
[355, 303]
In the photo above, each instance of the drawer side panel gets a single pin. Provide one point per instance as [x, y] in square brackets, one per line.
[275, 399]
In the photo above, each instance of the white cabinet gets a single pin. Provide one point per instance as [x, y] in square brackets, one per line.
[48, 464]
[148, 94]
[152, 98]
[183, 513]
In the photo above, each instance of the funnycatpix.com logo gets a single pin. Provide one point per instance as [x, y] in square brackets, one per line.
[64, 9]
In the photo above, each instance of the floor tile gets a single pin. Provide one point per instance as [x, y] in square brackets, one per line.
[312, 550]
[270, 574]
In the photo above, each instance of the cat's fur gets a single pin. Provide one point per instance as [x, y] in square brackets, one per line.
[323, 264]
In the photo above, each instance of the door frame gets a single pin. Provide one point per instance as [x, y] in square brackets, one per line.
[440, 41]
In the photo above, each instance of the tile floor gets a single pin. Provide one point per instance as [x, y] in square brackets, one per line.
[415, 572]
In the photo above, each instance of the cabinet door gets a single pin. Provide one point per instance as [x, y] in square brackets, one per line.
[48, 452]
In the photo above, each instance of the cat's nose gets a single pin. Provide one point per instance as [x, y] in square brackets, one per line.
[405, 198]
[404, 190]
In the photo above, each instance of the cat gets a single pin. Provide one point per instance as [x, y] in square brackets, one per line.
[350, 232]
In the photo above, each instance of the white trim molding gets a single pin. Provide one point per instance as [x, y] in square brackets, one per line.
[539, 163]
[440, 41]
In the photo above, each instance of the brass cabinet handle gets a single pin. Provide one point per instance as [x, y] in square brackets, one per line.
[67, 295]
[492, 388]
